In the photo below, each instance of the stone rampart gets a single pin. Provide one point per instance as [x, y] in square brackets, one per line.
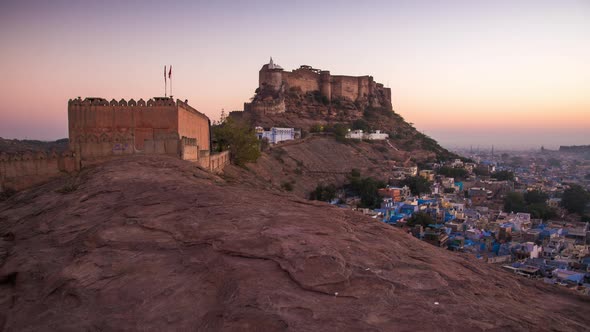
[22, 170]
[308, 79]
[273, 106]
[218, 161]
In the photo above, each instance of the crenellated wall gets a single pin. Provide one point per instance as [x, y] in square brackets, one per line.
[308, 79]
[101, 129]
[23, 170]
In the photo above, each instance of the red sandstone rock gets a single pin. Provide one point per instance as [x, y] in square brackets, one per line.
[154, 244]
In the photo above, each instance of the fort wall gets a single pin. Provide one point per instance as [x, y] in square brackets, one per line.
[304, 79]
[99, 129]
[193, 124]
[273, 106]
[218, 161]
[23, 170]
[308, 79]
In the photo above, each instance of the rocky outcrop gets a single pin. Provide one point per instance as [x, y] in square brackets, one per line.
[151, 243]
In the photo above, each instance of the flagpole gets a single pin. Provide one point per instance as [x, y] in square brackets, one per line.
[165, 83]
[170, 77]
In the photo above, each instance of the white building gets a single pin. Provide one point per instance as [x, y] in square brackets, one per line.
[359, 134]
[276, 135]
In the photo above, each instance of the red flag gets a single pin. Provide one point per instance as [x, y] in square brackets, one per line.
[164, 73]
[170, 72]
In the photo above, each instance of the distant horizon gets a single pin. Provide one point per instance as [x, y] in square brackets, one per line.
[513, 75]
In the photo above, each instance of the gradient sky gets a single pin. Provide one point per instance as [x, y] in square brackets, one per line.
[509, 73]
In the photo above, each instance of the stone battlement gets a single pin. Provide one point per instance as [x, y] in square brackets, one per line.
[22, 170]
[96, 103]
[308, 79]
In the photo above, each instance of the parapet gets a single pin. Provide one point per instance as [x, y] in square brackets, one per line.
[101, 102]
[33, 155]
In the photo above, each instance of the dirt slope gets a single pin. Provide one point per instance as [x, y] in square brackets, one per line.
[320, 160]
[153, 244]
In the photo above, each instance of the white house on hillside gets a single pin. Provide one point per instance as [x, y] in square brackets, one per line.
[359, 134]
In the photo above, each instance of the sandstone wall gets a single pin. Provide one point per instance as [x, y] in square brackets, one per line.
[20, 171]
[305, 79]
[273, 106]
[270, 78]
[194, 125]
[348, 87]
[218, 161]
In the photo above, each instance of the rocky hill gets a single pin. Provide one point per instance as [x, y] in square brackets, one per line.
[153, 243]
[18, 146]
[309, 110]
[321, 159]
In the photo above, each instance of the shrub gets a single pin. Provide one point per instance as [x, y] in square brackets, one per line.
[288, 186]
[323, 193]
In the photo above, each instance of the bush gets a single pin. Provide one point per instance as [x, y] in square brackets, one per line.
[288, 186]
[503, 176]
[240, 139]
[417, 184]
[316, 128]
[457, 173]
[575, 198]
[420, 218]
[323, 193]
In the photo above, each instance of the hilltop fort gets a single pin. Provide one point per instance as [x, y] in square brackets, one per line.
[100, 130]
[277, 87]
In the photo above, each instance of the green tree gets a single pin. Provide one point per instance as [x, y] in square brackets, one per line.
[417, 184]
[323, 193]
[239, 138]
[453, 172]
[535, 197]
[553, 162]
[575, 198]
[514, 202]
[481, 171]
[503, 175]
[420, 218]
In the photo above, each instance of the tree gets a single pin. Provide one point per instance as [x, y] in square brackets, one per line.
[514, 202]
[417, 184]
[367, 189]
[533, 202]
[360, 124]
[481, 171]
[535, 197]
[554, 162]
[239, 138]
[323, 193]
[503, 176]
[575, 198]
[453, 172]
[420, 218]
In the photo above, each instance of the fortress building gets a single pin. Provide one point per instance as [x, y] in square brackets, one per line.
[101, 129]
[273, 80]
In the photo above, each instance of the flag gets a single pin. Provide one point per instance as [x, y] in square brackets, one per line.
[170, 72]
[164, 73]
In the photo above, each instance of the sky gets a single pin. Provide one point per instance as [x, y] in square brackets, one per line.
[513, 74]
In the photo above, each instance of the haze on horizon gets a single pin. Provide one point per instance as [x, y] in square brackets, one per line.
[503, 73]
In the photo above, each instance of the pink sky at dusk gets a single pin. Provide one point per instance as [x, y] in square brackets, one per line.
[509, 73]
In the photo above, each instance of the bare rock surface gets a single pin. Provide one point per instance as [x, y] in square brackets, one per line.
[155, 244]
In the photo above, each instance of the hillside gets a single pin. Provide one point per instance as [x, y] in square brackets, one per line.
[18, 146]
[321, 160]
[310, 110]
[153, 243]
